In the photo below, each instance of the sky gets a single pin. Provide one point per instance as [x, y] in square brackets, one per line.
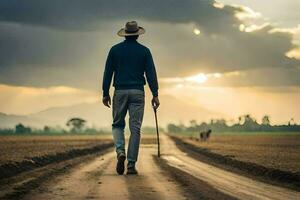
[230, 56]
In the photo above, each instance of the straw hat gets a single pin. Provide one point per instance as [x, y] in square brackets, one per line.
[131, 28]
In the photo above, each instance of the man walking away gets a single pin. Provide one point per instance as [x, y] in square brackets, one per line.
[128, 61]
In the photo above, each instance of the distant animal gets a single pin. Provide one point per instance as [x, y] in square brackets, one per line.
[205, 135]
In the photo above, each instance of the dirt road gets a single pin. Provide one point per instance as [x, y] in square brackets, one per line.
[97, 179]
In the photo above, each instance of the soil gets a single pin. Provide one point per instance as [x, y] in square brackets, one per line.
[267, 174]
[97, 179]
[273, 151]
[194, 188]
[21, 148]
[175, 175]
[12, 169]
[25, 153]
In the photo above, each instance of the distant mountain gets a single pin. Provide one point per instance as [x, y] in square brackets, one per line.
[9, 121]
[171, 110]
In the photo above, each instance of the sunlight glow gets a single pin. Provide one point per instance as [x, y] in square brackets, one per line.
[242, 27]
[218, 5]
[179, 86]
[217, 75]
[199, 78]
[247, 13]
[295, 30]
[197, 31]
[256, 27]
[252, 27]
[233, 73]
[196, 79]
[294, 53]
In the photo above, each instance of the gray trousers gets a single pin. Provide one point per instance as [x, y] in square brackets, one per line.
[133, 101]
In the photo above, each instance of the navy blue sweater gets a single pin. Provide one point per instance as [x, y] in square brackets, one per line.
[128, 61]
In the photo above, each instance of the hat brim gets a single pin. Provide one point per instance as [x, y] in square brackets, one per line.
[123, 33]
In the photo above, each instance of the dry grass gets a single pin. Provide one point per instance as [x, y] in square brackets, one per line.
[279, 152]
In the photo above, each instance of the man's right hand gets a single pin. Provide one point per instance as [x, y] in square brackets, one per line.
[106, 101]
[155, 102]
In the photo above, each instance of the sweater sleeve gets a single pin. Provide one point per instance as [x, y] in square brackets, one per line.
[108, 73]
[151, 74]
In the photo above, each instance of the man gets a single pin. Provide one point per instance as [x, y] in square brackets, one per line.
[128, 61]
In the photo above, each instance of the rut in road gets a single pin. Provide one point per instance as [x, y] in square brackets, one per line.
[227, 182]
[97, 179]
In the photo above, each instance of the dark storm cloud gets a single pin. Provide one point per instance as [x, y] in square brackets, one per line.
[228, 52]
[35, 56]
[86, 15]
[55, 42]
[34, 45]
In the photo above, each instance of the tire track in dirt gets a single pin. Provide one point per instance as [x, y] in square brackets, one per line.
[152, 182]
[97, 179]
[19, 186]
[230, 183]
[252, 170]
[13, 169]
[78, 183]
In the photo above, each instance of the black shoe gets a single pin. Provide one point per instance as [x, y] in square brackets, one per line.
[120, 165]
[131, 171]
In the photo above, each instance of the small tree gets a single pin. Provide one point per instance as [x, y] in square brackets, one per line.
[265, 120]
[291, 122]
[193, 123]
[21, 129]
[249, 123]
[76, 124]
[46, 129]
[240, 119]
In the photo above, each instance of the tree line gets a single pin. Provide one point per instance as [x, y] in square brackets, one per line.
[246, 123]
[75, 125]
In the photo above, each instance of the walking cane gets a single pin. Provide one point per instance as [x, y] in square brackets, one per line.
[157, 133]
